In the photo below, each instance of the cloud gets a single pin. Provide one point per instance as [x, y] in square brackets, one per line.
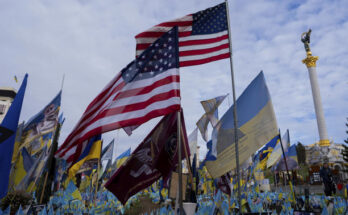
[91, 41]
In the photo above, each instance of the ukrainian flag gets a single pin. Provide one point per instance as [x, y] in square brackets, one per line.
[257, 125]
[266, 152]
[122, 157]
[92, 151]
[277, 152]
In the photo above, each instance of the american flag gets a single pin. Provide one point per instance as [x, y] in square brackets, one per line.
[148, 87]
[203, 36]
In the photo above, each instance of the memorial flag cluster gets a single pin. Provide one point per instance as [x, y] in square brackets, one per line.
[79, 182]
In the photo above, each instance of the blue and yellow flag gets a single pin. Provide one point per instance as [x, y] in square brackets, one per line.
[91, 152]
[23, 165]
[266, 152]
[8, 130]
[39, 129]
[122, 157]
[278, 151]
[257, 125]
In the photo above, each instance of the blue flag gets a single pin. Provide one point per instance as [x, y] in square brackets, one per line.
[8, 130]
[28, 161]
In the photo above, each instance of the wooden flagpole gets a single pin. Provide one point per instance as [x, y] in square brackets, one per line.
[179, 160]
[234, 107]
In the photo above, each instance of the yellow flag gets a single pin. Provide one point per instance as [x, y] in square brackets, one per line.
[94, 153]
[19, 171]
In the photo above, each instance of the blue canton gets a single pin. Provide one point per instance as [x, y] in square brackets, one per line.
[157, 58]
[209, 21]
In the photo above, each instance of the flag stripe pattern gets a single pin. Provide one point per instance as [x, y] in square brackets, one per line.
[203, 36]
[148, 87]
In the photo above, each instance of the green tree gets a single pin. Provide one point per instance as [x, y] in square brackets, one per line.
[301, 153]
[345, 150]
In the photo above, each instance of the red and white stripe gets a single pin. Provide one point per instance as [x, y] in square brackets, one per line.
[193, 49]
[123, 104]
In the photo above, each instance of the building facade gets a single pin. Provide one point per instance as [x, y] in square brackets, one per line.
[316, 154]
[7, 94]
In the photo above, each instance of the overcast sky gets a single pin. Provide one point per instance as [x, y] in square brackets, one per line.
[91, 41]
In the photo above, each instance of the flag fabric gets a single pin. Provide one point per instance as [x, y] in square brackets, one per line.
[192, 139]
[210, 155]
[223, 183]
[211, 115]
[23, 165]
[39, 130]
[202, 125]
[108, 151]
[122, 158]
[203, 36]
[18, 142]
[266, 152]
[29, 181]
[156, 156]
[277, 151]
[291, 160]
[211, 108]
[28, 161]
[256, 126]
[8, 130]
[148, 87]
[91, 153]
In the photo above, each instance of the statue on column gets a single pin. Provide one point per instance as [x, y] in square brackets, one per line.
[305, 38]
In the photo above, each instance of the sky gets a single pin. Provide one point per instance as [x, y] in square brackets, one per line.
[89, 42]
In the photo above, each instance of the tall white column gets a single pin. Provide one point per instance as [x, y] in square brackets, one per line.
[310, 62]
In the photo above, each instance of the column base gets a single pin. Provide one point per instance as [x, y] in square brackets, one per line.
[324, 143]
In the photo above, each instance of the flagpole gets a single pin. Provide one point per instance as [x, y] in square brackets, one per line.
[234, 107]
[179, 160]
[286, 164]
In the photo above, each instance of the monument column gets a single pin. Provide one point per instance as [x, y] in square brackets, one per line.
[310, 62]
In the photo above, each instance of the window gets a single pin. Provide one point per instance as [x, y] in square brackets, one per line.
[2, 108]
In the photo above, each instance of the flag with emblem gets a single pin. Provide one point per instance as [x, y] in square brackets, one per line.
[203, 36]
[156, 156]
[148, 87]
